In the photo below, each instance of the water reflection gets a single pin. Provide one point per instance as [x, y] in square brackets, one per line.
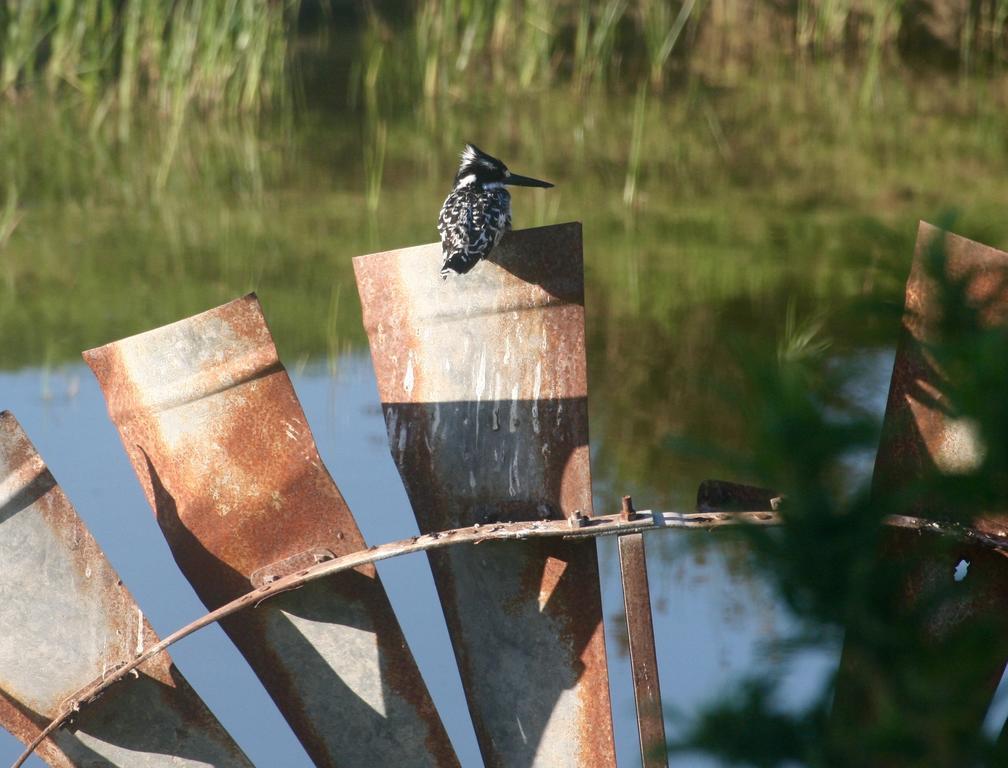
[713, 621]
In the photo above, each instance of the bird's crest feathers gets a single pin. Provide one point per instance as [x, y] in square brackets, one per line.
[475, 162]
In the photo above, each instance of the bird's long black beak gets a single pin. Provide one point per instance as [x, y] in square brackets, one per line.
[525, 181]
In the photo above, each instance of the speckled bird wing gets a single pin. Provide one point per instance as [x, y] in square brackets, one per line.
[471, 224]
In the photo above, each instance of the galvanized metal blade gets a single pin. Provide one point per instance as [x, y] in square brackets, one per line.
[922, 438]
[222, 449]
[483, 385]
[67, 620]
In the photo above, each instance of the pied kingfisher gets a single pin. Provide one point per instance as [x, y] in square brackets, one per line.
[477, 212]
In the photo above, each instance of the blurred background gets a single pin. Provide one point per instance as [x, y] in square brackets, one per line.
[749, 174]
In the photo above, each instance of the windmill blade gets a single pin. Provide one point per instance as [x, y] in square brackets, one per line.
[222, 449]
[483, 386]
[923, 438]
[67, 620]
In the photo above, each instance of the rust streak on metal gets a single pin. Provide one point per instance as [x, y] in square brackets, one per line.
[483, 386]
[70, 626]
[643, 659]
[222, 448]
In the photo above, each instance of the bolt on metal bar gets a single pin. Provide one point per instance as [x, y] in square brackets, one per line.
[643, 658]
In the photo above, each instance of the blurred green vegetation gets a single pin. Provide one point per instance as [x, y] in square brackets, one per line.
[514, 45]
[920, 614]
[166, 55]
[708, 205]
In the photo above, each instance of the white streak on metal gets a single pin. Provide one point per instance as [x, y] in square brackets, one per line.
[392, 422]
[536, 389]
[408, 378]
[495, 416]
[402, 439]
[513, 421]
[514, 481]
[481, 374]
[480, 386]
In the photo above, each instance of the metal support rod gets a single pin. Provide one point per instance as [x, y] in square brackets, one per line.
[643, 659]
[602, 525]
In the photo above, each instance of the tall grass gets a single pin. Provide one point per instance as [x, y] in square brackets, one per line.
[662, 30]
[597, 28]
[461, 48]
[636, 142]
[227, 56]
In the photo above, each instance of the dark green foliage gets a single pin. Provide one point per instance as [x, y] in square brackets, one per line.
[915, 679]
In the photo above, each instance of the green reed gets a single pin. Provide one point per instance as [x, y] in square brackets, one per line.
[461, 47]
[227, 56]
[636, 142]
[662, 30]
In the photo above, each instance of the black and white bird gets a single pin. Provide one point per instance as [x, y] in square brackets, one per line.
[477, 212]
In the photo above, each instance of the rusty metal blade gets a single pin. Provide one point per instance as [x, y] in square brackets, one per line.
[483, 385]
[220, 444]
[67, 619]
[724, 496]
[921, 438]
[643, 659]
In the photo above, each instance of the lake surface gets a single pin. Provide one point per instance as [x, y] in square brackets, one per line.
[712, 621]
[782, 202]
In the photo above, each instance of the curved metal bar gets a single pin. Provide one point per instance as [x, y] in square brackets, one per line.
[575, 527]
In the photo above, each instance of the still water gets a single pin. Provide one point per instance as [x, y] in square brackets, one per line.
[784, 195]
[712, 622]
